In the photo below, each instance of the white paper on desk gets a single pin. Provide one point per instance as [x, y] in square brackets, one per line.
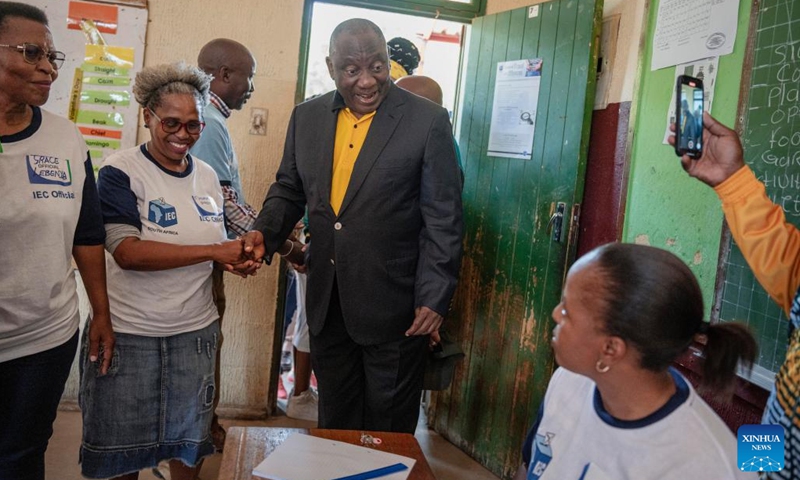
[303, 457]
[688, 30]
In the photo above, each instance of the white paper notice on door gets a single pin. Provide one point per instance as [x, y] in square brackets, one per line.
[688, 30]
[516, 98]
[303, 457]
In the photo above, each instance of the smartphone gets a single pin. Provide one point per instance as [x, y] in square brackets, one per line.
[689, 117]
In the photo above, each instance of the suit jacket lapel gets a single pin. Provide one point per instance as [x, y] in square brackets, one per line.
[325, 160]
[380, 131]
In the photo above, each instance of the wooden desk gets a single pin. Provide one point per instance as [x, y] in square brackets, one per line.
[246, 447]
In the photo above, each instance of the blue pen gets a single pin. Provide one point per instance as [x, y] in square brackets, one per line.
[378, 472]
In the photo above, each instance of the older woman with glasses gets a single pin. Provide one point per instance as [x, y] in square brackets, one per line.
[165, 232]
[49, 215]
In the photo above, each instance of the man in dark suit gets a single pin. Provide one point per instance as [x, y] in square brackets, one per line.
[377, 168]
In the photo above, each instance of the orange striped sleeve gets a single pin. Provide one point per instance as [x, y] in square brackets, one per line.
[768, 242]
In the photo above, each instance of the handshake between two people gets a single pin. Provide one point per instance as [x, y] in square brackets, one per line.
[243, 256]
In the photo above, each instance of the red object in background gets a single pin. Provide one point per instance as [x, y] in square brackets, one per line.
[101, 132]
[445, 37]
[604, 194]
[106, 17]
[282, 394]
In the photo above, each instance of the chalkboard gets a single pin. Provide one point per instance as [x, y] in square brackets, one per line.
[769, 125]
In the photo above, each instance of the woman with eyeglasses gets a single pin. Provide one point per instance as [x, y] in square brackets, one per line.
[165, 231]
[49, 215]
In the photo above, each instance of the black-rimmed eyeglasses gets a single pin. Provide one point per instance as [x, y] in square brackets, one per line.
[32, 53]
[172, 125]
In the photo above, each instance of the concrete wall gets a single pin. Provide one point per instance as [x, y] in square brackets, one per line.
[271, 29]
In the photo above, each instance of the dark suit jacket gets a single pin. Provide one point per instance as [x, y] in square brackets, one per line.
[396, 243]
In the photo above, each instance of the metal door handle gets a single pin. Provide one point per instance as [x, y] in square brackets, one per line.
[556, 222]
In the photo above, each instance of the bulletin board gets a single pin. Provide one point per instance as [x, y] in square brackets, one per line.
[769, 125]
[104, 46]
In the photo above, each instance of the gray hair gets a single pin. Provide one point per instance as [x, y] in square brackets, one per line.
[153, 83]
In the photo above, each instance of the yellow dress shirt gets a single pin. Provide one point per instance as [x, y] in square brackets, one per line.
[350, 135]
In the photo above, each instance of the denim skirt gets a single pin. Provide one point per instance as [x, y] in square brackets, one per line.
[155, 403]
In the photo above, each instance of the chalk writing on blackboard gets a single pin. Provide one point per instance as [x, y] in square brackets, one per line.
[772, 138]
[770, 129]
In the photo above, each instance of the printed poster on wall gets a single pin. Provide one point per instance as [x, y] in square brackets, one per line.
[516, 98]
[104, 47]
[104, 98]
[688, 30]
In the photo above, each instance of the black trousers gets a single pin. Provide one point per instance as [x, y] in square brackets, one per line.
[30, 389]
[366, 387]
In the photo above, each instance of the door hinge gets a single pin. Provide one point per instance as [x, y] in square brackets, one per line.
[572, 239]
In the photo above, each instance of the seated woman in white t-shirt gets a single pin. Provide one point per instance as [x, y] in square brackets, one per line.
[616, 409]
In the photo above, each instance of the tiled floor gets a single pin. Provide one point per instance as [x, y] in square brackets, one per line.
[447, 461]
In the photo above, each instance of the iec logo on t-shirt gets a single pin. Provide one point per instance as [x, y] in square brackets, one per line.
[47, 170]
[760, 448]
[207, 209]
[541, 455]
[162, 213]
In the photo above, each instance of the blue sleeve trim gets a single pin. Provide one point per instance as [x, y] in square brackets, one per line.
[90, 230]
[528, 445]
[36, 122]
[117, 200]
[185, 173]
[676, 400]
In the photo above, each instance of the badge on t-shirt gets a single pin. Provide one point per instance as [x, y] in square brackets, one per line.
[47, 170]
[207, 209]
[541, 456]
[162, 213]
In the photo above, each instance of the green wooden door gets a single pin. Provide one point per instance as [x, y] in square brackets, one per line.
[512, 271]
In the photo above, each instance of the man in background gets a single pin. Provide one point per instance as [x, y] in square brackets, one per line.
[427, 88]
[233, 68]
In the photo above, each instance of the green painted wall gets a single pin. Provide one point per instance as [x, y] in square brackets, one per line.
[666, 208]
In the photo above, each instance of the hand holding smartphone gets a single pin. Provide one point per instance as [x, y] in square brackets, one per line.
[689, 117]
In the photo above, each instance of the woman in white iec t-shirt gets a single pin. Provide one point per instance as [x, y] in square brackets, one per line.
[163, 216]
[49, 215]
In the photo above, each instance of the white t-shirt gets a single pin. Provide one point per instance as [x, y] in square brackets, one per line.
[576, 438]
[49, 205]
[179, 208]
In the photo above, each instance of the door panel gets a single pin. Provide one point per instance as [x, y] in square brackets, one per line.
[512, 272]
